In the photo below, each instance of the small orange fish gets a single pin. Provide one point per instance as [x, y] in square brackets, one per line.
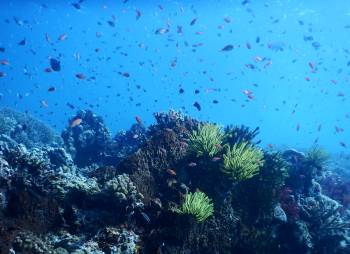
[138, 119]
[192, 164]
[268, 64]
[98, 34]
[311, 65]
[76, 122]
[338, 129]
[171, 172]
[47, 37]
[48, 70]
[44, 104]
[258, 59]
[215, 159]
[62, 37]
[5, 62]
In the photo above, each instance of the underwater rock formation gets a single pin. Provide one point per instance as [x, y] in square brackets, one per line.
[95, 195]
[86, 142]
[24, 129]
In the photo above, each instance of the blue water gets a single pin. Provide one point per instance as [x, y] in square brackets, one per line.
[288, 42]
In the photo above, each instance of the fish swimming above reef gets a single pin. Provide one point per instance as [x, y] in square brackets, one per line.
[276, 46]
[55, 64]
[228, 47]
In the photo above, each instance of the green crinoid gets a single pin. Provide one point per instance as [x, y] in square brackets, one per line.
[206, 141]
[242, 161]
[317, 156]
[197, 204]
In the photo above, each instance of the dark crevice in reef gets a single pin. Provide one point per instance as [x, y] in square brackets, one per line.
[179, 186]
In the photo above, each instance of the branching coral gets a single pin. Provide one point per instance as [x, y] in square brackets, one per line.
[323, 219]
[206, 141]
[242, 161]
[197, 204]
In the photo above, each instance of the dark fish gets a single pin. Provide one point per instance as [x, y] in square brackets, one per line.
[80, 76]
[197, 106]
[55, 64]
[196, 91]
[161, 31]
[18, 21]
[193, 22]
[257, 40]
[70, 105]
[22, 42]
[138, 14]
[308, 38]
[316, 45]
[76, 6]
[179, 29]
[111, 23]
[124, 74]
[2, 49]
[181, 90]
[228, 47]
[342, 144]
[51, 89]
[215, 101]
[227, 19]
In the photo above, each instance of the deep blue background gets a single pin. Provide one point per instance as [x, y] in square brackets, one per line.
[132, 46]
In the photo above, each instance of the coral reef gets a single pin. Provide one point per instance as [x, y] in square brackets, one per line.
[24, 129]
[153, 190]
[87, 141]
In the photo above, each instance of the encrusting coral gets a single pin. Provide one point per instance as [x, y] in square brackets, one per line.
[242, 161]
